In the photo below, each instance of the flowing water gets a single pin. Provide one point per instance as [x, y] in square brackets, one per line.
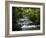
[25, 23]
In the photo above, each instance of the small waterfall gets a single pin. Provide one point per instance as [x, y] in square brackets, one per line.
[24, 22]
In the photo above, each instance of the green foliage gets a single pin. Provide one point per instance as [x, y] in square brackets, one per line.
[33, 13]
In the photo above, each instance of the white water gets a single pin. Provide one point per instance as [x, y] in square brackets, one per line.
[24, 23]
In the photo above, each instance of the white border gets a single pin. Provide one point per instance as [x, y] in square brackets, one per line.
[25, 32]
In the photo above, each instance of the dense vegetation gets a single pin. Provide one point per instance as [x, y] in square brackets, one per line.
[19, 12]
